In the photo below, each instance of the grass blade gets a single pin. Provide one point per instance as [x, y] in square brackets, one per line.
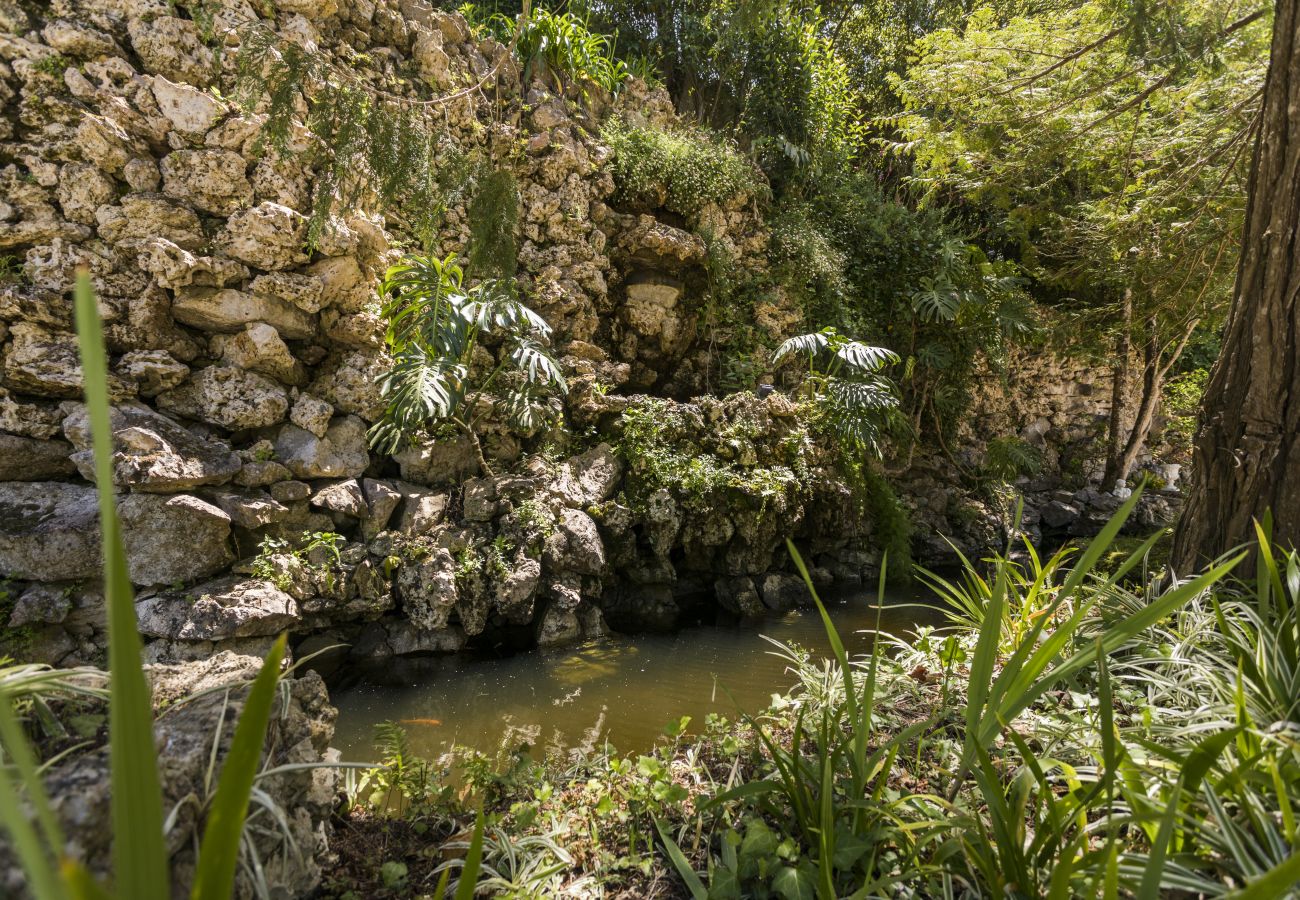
[140, 864]
[219, 851]
[468, 879]
[42, 878]
[681, 864]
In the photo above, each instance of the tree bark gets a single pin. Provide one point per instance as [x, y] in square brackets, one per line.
[1118, 393]
[1246, 459]
[1152, 380]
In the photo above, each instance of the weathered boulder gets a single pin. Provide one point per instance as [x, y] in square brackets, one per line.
[342, 453]
[442, 461]
[427, 589]
[229, 607]
[231, 311]
[385, 639]
[190, 111]
[268, 236]
[173, 539]
[151, 452]
[145, 215]
[351, 383]
[575, 545]
[45, 363]
[302, 291]
[212, 181]
[344, 497]
[382, 500]
[173, 48]
[422, 509]
[781, 591]
[558, 626]
[249, 508]
[41, 604]
[31, 459]
[258, 348]
[514, 594]
[311, 414]
[589, 478]
[49, 531]
[228, 397]
[153, 371]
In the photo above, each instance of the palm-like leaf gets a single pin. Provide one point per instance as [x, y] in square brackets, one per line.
[538, 366]
[863, 358]
[807, 344]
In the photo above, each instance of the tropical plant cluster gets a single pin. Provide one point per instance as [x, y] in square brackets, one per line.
[1072, 732]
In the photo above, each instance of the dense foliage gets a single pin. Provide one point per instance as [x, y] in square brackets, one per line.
[1067, 735]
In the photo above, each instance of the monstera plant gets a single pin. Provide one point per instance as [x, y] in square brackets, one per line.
[443, 373]
[854, 401]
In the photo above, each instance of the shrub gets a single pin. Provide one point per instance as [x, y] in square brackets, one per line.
[682, 170]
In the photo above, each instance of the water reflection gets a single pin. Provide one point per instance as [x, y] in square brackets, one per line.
[637, 683]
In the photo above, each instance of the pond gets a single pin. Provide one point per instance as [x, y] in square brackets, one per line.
[627, 686]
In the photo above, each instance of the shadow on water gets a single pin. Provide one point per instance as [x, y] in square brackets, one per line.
[630, 686]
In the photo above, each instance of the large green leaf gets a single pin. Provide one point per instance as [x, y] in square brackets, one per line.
[139, 852]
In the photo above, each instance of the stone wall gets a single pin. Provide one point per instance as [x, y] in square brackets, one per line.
[245, 367]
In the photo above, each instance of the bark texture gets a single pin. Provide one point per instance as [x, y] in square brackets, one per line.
[1246, 458]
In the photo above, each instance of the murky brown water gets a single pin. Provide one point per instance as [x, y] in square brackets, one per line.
[629, 685]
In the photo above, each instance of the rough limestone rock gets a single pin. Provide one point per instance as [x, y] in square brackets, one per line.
[49, 531]
[352, 383]
[45, 363]
[590, 477]
[173, 48]
[174, 267]
[218, 610]
[342, 453]
[212, 181]
[145, 215]
[190, 111]
[558, 626]
[173, 538]
[382, 500]
[249, 508]
[41, 604]
[31, 459]
[515, 593]
[343, 497]
[258, 348]
[152, 452]
[575, 546]
[268, 236]
[422, 509]
[230, 311]
[153, 371]
[302, 291]
[427, 588]
[229, 398]
[311, 414]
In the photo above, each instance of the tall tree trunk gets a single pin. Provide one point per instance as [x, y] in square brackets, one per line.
[1246, 459]
[1119, 393]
